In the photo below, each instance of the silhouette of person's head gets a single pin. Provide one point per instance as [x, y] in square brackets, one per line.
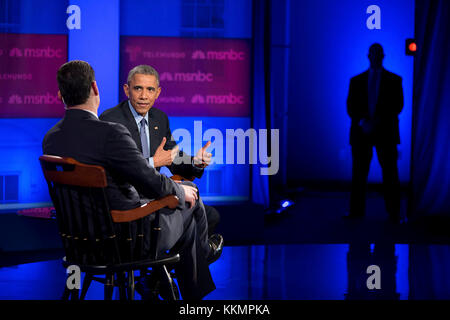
[376, 56]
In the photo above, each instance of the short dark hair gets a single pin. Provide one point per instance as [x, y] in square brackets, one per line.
[74, 82]
[143, 69]
[376, 47]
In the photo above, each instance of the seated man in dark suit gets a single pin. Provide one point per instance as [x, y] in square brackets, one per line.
[153, 135]
[82, 136]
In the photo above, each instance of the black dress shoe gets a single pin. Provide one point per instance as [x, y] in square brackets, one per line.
[151, 288]
[216, 245]
[148, 287]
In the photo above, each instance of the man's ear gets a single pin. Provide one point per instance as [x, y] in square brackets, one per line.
[95, 88]
[60, 97]
[126, 89]
[158, 92]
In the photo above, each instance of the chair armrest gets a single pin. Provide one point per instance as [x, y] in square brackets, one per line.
[177, 177]
[148, 208]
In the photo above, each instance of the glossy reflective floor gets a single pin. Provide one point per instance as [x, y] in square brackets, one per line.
[305, 272]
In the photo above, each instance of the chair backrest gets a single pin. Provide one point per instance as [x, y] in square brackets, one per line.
[82, 212]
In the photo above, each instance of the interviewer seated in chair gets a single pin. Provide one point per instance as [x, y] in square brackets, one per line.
[82, 136]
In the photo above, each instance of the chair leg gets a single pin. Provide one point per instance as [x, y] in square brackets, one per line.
[130, 287]
[86, 284]
[66, 293]
[75, 294]
[70, 294]
[109, 286]
[169, 284]
[121, 283]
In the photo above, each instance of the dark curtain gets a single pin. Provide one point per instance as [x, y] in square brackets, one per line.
[428, 272]
[260, 183]
[430, 163]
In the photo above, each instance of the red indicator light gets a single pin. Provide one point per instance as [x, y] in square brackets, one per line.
[412, 47]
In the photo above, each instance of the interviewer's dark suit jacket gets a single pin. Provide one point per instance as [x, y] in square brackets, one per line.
[80, 135]
[157, 119]
[388, 107]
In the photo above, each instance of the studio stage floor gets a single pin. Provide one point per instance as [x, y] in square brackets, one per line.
[309, 252]
[296, 271]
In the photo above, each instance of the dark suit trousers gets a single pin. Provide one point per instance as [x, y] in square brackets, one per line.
[194, 276]
[213, 217]
[387, 157]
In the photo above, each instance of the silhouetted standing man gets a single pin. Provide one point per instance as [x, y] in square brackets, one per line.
[374, 102]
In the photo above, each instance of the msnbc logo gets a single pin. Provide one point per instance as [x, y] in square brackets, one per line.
[198, 98]
[15, 99]
[34, 99]
[218, 55]
[15, 52]
[198, 54]
[36, 52]
[187, 76]
[166, 76]
[218, 99]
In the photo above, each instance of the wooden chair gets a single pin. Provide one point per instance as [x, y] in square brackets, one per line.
[177, 177]
[100, 241]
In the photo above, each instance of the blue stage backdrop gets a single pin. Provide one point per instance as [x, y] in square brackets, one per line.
[175, 19]
[93, 30]
[329, 42]
[329, 45]
[20, 139]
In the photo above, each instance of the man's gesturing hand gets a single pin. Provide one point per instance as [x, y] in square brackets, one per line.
[203, 158]
[190, 194]
[164, 157]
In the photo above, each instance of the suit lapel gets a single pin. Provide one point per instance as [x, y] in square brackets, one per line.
[365, 92]
[153, 128]
[382, 88]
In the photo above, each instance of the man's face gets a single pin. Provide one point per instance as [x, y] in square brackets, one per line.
[142, 91]
[376, 56]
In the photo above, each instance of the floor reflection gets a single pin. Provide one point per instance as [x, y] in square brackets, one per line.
[297, 272]
[372, 271]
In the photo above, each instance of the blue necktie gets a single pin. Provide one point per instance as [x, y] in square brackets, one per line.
[373, 92]
[144, 140]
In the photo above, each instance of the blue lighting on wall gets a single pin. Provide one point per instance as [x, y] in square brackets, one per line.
[329, 45]
[218, 182]
[98, 43]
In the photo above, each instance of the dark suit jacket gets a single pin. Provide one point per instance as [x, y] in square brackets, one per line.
[388, 107]
[157, 119]
[80, 135]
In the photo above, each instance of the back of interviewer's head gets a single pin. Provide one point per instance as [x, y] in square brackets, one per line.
[74, 82]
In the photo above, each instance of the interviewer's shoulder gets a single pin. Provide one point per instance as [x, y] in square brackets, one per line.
[113, 129]
[114, 126]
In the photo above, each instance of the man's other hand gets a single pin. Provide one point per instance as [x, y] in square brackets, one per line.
[164, 157]
[367, 125]
[190, 194]
[203, 158]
